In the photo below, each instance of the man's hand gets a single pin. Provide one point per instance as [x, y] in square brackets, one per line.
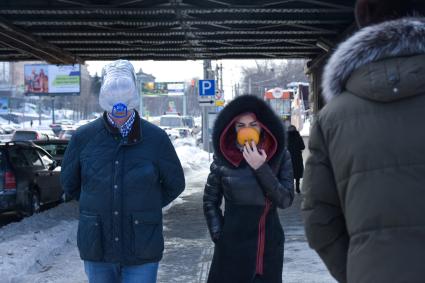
[254, 158]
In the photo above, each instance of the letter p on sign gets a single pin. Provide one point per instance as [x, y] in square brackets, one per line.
[207, 88]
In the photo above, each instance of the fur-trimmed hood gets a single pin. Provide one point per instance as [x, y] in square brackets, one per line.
[269, 121]
[388, 40]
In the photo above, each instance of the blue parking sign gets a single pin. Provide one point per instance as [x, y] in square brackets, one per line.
[206, 88]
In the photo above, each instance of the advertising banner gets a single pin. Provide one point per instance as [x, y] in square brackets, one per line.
[43, 79]
[163, 88]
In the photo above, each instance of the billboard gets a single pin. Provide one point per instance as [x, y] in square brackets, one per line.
[163, 88]
[43, 79]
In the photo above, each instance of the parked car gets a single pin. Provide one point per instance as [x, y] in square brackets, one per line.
[188, 121]
[32, 135]
[29, 178]
[67, 134]
[8, 129]
[172, 123]
[61, 125]
[56, 148]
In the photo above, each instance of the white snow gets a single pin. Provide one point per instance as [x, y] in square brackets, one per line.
[31, 249]
[42, 248]
[305, 132]
[195, 165]
[27, 246]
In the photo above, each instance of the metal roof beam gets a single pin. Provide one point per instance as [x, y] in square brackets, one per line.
[151, 42]
[220, 2]
[138, 54]
[160, 35]
[88, 4]
[174, 49]
[24, 42]
[315, 2]
[161, 11]
[134, 23]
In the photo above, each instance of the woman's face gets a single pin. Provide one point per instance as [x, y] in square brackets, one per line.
[247, 121]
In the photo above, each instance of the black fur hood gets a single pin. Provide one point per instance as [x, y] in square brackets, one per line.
[391, 39]
[265, 115]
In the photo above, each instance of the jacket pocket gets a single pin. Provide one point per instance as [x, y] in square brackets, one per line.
[89, 237]
[148, 242]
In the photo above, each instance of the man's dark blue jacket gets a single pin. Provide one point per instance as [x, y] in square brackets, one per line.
[122, 185]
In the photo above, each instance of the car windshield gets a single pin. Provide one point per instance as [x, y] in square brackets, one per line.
[171, 122]
[55, 149]
[188, 122]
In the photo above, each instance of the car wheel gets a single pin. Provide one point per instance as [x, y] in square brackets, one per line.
[64, 198]
[34, 203]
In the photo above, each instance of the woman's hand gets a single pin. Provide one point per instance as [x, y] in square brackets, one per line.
[253, 157]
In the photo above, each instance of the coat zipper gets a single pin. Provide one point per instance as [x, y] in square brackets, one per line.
[259, 268]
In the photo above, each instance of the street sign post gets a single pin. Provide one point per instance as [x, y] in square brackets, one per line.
[206, 92]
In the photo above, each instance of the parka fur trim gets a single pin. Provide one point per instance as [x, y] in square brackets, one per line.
[402, 37]
[243, 104]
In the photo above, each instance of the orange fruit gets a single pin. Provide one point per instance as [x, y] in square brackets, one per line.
[248, 135]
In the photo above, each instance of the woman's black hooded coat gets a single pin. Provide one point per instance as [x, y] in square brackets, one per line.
[249, 237]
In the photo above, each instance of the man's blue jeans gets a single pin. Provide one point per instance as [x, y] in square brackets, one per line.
[104, 272]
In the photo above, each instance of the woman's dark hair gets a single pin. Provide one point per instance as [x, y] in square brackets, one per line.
[370, 12]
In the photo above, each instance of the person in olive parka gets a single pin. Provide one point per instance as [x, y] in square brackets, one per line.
[364, 182]
[254, 180]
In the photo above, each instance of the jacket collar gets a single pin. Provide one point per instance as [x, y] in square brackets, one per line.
[398, 38]
[135, 134]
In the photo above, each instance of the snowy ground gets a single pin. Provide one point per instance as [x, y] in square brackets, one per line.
[42, 248]
[305, 132]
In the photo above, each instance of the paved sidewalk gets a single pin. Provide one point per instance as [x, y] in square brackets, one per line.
[189, 250]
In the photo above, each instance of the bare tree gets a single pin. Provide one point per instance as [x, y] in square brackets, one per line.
[269, 74]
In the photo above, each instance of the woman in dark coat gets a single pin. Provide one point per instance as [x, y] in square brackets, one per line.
[254, 180]
[295, 147]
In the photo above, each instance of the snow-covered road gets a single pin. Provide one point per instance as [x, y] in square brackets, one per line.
[42, 248]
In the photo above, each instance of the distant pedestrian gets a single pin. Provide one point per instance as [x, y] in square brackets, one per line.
[252, 170]
[296, 147]
[31, 123]
[123, 170]
[364, 183]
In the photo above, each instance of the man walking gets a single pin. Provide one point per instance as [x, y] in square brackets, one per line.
[123, 170]
[365, 178]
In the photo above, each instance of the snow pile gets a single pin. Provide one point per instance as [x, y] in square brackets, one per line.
[195, 165]
[27, 246]
[305, 132]
[191, 157]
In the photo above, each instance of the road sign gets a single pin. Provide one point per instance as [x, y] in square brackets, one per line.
[219, 97]
[218, 94]
[210, 102]
[206, 92]
[206, 88]
[219, 103]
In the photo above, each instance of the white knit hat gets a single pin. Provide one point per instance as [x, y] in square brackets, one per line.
[119, 86]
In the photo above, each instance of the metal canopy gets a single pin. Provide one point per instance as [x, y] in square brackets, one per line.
[68, 31]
